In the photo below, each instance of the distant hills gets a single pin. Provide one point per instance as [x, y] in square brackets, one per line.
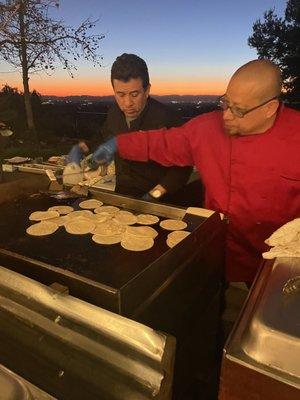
[164, 99]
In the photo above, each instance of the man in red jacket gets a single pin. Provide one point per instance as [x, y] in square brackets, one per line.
[248, 156]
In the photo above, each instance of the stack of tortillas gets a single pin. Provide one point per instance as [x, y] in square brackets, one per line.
[285, 241]
[107, 224]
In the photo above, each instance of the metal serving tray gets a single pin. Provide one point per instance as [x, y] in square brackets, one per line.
[267, 337]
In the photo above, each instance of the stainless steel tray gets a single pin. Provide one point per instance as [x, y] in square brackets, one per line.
[267, 336]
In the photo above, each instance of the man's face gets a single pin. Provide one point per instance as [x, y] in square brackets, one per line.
[130, 96]
[242, 97]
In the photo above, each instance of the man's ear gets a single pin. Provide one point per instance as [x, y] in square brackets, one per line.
[272, 108]
[147, 90]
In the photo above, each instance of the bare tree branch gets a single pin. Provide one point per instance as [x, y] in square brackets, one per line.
[31, 40]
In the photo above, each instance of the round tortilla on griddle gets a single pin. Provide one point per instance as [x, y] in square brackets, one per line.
[60, 221]
[173, 224]
[80, 226]
[106, 209]
[42, 228]
[90, 204]
[80, 213]
[147, 219]
[103, 217]
[141, 231]
[125, 218]
[175, 237]
[135, 243]
[105, 239]
[62, 210]
[43, 215]
[109, 228]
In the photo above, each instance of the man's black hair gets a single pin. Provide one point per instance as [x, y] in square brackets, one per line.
[128, 66]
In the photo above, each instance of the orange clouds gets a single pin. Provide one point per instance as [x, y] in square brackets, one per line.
[94, 86]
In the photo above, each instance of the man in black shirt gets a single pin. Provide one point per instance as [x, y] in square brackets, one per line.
[135, 110]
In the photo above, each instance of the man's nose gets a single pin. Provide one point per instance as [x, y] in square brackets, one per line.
[128, 101]
[228, 115]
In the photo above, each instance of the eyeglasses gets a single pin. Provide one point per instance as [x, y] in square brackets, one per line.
[237, 112]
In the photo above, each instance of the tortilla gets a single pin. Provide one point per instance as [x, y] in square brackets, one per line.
[43, 215]
[147, 219]
[141, 231]
[173, 224]
[62, 210]
[80, 213]
[42, 228]
[125, 218]
[106, 209]
[109, 228]
[80, 226]
[175, 237]
[105, 239]
[103, 217]
[90, 204]
[281, 251]
[285, 234]
[135, 243]
[60, 221]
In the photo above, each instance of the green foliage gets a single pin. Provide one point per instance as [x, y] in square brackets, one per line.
[12, 110]
[278, 39]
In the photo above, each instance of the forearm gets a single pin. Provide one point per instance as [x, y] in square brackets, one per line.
[168, 147]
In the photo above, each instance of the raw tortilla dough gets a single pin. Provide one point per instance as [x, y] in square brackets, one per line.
[104, 239]
[107, 209]
[135, 243]
[43, 215]
[42, 228]
[80, 226]
[173, 224]
[125, 218]
[90, 204]
[109, 228]
[147, 219]
[175, 237]
[141, 231]
[61, 209]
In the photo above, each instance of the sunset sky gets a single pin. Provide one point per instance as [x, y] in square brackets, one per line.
[191, 46]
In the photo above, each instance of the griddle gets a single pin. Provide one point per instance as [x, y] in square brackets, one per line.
[75, 260]
[172, 290]
[110, 265]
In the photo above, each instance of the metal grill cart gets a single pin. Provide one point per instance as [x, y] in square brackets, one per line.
[175, 290]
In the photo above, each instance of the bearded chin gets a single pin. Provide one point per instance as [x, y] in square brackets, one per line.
[230, 131]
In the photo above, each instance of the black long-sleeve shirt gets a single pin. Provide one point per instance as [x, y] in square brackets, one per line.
[137, 178]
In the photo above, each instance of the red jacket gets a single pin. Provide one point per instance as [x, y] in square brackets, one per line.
[254, 179]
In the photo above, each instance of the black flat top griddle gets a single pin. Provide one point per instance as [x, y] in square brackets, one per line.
[110, 265]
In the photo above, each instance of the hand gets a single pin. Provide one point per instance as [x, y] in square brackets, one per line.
[104, 154]
[76, 154]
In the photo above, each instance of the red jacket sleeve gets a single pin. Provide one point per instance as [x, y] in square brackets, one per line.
[165, 146]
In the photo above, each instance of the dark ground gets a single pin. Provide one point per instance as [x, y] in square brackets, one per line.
[208, 389]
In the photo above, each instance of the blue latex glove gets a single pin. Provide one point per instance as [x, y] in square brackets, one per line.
[104, 153]
[76, 154]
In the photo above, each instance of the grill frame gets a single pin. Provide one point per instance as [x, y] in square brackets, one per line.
[179, 293]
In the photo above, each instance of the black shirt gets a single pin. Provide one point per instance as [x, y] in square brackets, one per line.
[136, 178]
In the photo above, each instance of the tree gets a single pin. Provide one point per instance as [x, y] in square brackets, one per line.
[32, 41]
[278, 39]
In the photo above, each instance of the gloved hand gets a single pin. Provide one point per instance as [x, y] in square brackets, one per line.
[75, 155]
[104, 154]
[147, 197]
